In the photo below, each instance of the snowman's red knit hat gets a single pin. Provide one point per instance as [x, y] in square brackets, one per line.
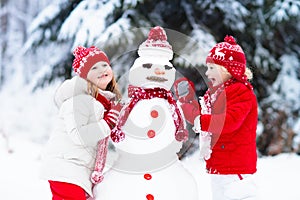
[156, 44]
[85, 58]
[231, 56]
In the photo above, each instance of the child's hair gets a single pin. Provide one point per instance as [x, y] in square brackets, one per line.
[112, 86]
[248, 72]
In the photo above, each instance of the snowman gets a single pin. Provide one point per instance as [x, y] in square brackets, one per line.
[150, 132]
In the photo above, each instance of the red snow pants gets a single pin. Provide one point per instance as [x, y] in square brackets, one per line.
[66, 191]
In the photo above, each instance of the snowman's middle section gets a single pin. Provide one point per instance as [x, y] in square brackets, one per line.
[149, 144]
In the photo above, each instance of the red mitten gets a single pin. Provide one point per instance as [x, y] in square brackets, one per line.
[184, 90]
[190, 110]
[112, 115]
[117, 106]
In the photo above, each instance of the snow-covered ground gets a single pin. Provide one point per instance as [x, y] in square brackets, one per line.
[276, 176]
[26, 120]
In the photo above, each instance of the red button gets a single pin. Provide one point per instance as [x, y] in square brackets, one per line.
[147, 176]
[151, 133]
[154, 114]
[150, 197]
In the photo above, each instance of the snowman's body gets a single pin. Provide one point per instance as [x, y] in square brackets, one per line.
[147, 167]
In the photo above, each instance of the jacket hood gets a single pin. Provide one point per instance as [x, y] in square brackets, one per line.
[74, 87]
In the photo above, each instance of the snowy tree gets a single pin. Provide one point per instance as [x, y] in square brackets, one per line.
[115, 26]
[3, 34]
[280, 46]
[15, 17]
[282, 108]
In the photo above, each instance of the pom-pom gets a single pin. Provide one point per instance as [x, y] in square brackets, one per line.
[230, 39]
[182, 135]
[78, 51]
[97, 177]
[157, 33]
[117, 135]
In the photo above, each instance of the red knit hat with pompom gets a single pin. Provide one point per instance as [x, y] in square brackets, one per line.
[85, 58]
[156, 44]
[231, 56]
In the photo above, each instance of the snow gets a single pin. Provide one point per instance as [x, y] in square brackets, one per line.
[26, 121]
[273, 176]
[26, 118]
[20, 170]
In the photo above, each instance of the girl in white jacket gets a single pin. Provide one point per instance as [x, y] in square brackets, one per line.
[86, 116]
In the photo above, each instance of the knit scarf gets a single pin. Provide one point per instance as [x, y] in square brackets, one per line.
[104, 101]
[136, 94]
[102, 147]
[212, 94]
[206, 102]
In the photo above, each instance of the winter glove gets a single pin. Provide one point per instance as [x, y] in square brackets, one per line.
[116, 134]
[184, 91]
[112, 115]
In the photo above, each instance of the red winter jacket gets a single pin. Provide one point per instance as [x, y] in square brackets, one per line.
[233, 125]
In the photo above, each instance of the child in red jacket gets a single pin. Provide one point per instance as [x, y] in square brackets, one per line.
[227, 123]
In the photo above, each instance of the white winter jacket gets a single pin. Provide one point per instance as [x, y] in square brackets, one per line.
[70, 153]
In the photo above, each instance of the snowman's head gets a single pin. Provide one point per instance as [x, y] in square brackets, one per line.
[153, 67]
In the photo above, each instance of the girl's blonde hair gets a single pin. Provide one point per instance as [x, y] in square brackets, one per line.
[248, 72]
[111, 86]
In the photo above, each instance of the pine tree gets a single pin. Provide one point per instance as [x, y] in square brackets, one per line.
[281, 108]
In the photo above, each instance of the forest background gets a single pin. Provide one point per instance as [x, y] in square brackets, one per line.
[37, 38]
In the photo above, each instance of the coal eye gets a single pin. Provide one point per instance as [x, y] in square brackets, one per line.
[94, 67]
[147, 65]
[167, 67]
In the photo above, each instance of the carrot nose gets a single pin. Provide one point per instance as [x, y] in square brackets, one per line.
[158, 71]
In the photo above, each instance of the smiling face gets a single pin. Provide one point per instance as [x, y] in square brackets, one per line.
[150, 73]
[217, 74]
[100, 74]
